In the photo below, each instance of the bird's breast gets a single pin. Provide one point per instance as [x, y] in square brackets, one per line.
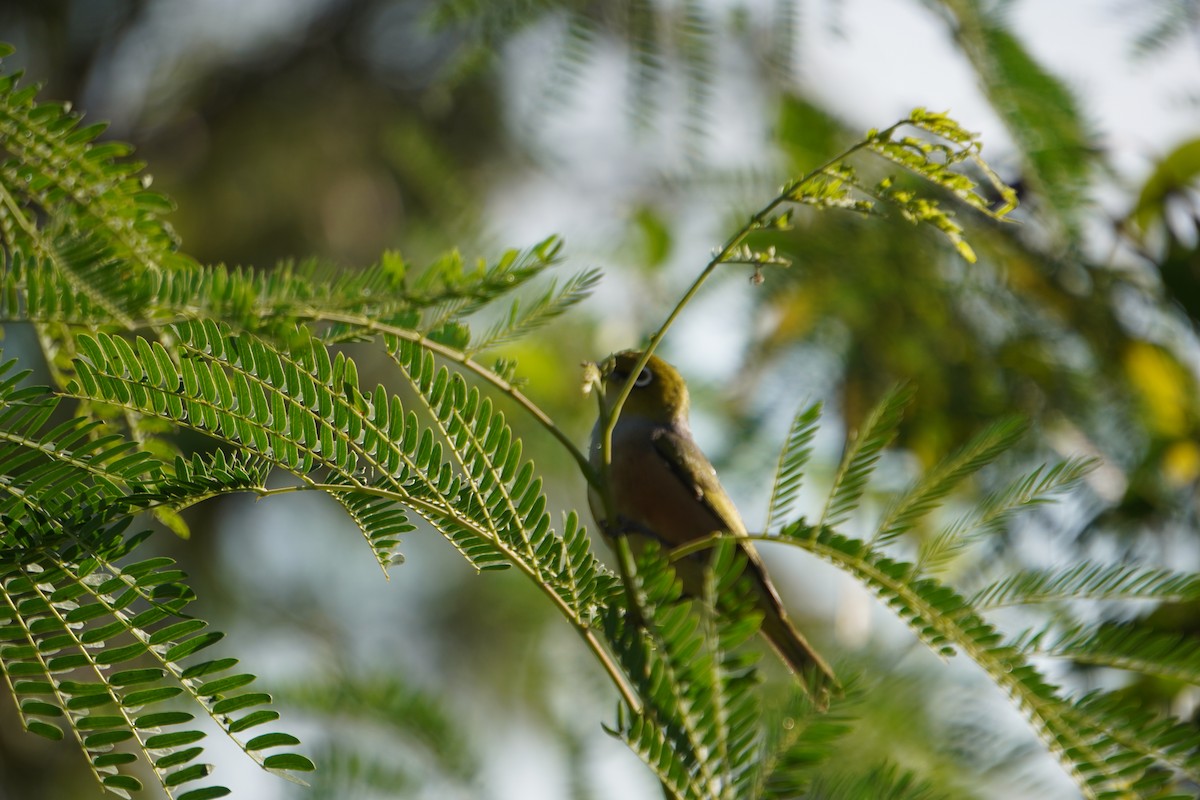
[651, 495]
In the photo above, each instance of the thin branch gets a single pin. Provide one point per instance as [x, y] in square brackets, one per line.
[608, 423]
[464, 360]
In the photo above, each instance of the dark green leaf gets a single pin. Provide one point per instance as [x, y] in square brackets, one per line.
[193, 773]
[241, 701]
[196, 643]
[252, 719]
[44, 729]
[209, 793]
[271, 740]
[289, 761]
[179, 757]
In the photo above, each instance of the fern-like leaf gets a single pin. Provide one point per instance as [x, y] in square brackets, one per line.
[306, 413]
[947, 623]
[1034, 489]
[699, 727]
[503, 498]
[552, 303]
[104, 646]
[1131, 647]
[880, 783]
[797, 449]
[1041, 112]
[933, 487]
[861, 456]
[382, 520]
[1157, 739]
[57, 170]
[90, 640]
[85, 283]
[798, 741]
[1089, 580]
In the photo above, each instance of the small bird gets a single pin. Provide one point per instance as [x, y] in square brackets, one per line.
[665, 489]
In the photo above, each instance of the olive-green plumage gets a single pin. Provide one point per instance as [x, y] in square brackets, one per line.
[663, 487]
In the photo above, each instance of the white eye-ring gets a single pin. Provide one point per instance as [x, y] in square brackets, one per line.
[644, 377]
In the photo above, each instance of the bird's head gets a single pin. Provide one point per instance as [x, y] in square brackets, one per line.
[658, 394]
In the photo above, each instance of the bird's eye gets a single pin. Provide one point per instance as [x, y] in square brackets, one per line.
[644, 377]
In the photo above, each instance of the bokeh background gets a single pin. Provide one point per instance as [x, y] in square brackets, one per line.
[643, 132]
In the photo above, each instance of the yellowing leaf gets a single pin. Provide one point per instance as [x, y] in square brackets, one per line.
[1164, 387]
[1181, 463]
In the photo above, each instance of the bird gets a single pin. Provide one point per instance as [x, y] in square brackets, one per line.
[665, 489]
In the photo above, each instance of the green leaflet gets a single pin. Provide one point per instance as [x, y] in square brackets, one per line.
[797, 449]
[1089, 580]
[76, 590]
[862, 454]
[1093, 740]
[928, 493]
[946, 622]
[700, 726]
[519, 322]
[501, 512]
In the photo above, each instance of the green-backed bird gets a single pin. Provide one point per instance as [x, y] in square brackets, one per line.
[665, 489]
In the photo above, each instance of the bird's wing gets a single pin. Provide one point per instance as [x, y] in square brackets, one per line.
[693, 469]
[696, 474]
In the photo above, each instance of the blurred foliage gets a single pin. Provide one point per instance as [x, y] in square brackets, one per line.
[359, 126]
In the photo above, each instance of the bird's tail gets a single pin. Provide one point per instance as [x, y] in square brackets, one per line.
[816, 675]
